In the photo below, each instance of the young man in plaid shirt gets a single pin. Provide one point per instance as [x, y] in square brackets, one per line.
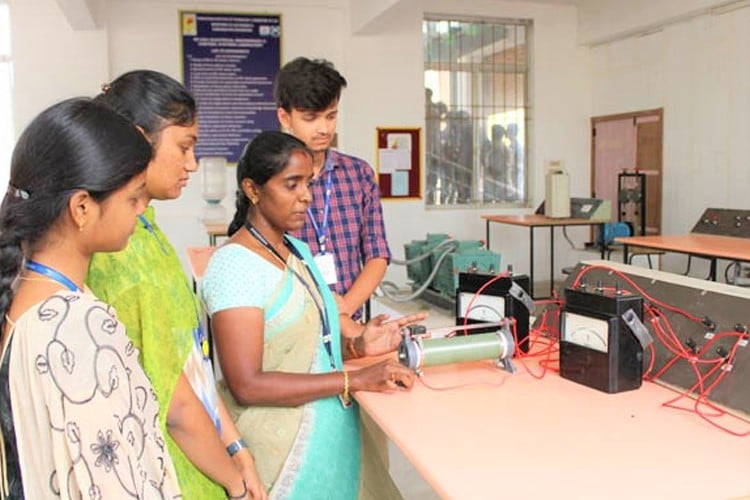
[344, 226]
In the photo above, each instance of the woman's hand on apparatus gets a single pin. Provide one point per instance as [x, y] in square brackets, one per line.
[381, 336]
[382, 377]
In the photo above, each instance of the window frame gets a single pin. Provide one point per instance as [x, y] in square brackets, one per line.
[477, 194]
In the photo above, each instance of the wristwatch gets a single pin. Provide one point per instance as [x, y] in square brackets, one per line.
[236, 446]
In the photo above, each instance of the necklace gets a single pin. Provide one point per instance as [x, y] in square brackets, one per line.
[53, 274]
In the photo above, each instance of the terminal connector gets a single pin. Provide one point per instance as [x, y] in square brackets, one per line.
[708, 323]
[691, 345]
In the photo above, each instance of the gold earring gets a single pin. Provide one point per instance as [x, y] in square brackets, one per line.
[80, 226]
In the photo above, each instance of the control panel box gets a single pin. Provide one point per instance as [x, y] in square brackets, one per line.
[724, 222]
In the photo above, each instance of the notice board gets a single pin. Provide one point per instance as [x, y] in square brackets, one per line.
[229, 63]
[399, 162]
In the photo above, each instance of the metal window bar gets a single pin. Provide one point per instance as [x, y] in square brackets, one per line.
[479, 71]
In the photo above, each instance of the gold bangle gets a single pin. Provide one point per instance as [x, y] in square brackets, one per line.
[345, 393]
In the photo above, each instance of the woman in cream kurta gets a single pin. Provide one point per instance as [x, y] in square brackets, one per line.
[69, 368]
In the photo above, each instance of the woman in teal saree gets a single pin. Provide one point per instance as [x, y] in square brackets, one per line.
[278, 337]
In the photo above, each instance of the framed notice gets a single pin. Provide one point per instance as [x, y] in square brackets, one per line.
[398, 162]
[229, 63]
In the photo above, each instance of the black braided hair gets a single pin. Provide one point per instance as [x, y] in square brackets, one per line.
[74, 145]
[264, 156]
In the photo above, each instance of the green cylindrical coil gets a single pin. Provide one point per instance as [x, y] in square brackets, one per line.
[463, 348]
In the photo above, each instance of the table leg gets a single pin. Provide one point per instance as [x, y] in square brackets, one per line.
[487, 232]
[625, 253]
[531, 259]
[712, 270]
[602, 247]
[212, 240]
[551, 260]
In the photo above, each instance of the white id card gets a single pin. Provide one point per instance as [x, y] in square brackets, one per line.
[327, 267]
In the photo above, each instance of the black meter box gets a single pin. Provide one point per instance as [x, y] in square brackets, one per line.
[597, 348]
[501, 297]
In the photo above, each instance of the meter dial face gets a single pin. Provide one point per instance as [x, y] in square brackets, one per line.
[586, 331]
[489, 308]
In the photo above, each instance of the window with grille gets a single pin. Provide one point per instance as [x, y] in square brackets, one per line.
[6, 136]
[476, 75]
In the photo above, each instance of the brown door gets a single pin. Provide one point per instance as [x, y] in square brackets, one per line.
[648, 161]
[628, 142]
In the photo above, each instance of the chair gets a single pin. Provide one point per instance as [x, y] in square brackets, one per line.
[613, 230]
[609, 232]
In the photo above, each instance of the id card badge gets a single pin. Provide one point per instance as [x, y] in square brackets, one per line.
[327, 267]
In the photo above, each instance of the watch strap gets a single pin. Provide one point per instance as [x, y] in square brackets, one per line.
[236, 446]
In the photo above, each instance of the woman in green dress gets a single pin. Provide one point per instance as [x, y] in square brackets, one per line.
[278, 337]
[147, 285]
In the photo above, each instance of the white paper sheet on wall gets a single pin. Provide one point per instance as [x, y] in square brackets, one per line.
[400, 183]
[391, 160]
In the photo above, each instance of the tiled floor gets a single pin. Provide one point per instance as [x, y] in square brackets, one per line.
[409, 481]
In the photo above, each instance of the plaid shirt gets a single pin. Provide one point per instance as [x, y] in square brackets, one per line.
[356, 232]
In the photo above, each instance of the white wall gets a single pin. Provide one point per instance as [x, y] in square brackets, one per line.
[384, 69]
[694, 67]
[51, 61]
[605, 20]
[389, 64]
[698, 71]
[145, 34]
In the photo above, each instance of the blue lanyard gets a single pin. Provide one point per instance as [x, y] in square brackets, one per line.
[320, 231]
[325, 327]
[199, 334]
[150, 229]
[53, 274]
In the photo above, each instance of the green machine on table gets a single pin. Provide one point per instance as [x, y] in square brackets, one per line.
[437, 261]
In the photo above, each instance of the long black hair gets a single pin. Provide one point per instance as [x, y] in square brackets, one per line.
[73, 145]
[151, 100]
[264, 156]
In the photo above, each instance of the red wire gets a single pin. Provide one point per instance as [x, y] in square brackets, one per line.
[666, 335]
[477, 294]
[546, 336]
[639, 289]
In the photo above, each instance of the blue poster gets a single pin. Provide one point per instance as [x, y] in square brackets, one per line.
[230, 62]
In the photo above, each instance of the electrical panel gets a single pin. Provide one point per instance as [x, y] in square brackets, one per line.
[631, 200]
[724, 222]
[591, 208]
[723, 309]
[584, 208]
